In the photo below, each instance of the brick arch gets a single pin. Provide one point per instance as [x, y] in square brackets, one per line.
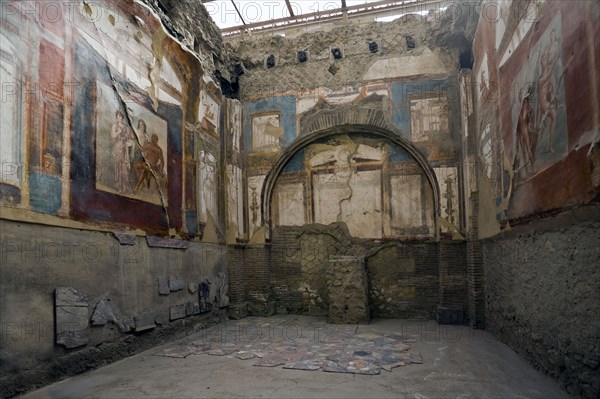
[344, 116]
[309, 138]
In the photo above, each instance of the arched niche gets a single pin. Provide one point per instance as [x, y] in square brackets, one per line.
[309, 139]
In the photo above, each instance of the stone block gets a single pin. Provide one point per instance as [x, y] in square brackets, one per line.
[71, 318]
[103, 314]
[70, 297]
[347, 291]
[125, 239]
[192, 288]
[145, 321]
[192, 308]
[175, 284]
[162, 242]
[163, 286]
[177, 312]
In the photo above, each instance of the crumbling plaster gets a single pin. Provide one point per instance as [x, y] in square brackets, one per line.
[358, 63]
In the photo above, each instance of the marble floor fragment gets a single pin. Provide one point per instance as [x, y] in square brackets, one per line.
[302, 344]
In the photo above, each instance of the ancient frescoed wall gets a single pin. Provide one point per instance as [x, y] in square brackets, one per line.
[538, 123]
[419, 102]
[348, 143]
[105, 113]
[110, 185]
[538, 118]
[234, 173]
[372, 186]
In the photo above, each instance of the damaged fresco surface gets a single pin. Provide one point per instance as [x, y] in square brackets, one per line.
[119, 117]
[538, 110]
[130, 162]
[344, 179]
[536, 132]
[110, 151]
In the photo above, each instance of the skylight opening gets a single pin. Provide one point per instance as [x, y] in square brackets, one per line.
[235, 17]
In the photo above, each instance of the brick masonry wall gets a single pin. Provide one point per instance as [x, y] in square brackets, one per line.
[542, 285]
[257, 280]
[453, 279]
[406, 279]
[475, 285]
[286, 272]
[237, 290]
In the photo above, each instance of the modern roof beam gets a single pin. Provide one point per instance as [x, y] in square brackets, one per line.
[238, 12]
[289, 7]
[374, 8]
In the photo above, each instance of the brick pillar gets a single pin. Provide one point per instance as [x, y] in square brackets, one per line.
[475, 277]
[257, 278]
[453, 303]
[238, 307]
[286, 272]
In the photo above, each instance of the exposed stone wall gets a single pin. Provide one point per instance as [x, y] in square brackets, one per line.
[543, 299]
[130, 297]
[404, 279]
[347, 290]
[189, 21]
[299, 260]
[358, 63]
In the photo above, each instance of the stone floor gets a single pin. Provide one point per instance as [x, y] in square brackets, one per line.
[298, 356]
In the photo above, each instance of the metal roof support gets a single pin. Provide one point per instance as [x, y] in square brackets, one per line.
[382, 7]
[290, 9]
[238, 11]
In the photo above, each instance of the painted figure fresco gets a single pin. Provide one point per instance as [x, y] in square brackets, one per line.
[547, 86]
[130, 162]
[539, 116]
[235, 200]
[235, 124]
[122, 141]
[208, 187]
[150, 167]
